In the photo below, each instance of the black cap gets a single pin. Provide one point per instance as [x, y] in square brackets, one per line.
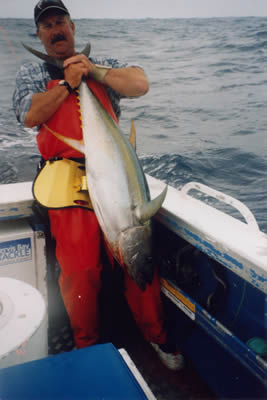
[45, 5]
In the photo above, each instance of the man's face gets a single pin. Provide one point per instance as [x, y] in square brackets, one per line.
[56, 32]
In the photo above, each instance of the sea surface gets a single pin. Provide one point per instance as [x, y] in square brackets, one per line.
[204, 118]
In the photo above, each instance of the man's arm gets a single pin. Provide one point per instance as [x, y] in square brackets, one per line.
[45, 104]
[129, 82]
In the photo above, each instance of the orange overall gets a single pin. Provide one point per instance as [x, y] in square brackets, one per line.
[78, 242]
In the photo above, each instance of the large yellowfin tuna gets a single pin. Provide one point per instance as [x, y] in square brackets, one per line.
[117, 186]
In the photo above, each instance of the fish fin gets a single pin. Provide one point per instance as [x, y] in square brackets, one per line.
[52, 60]
[86, 50]
[73, 143]
[147, 210]
[45, 57]
[132, 138]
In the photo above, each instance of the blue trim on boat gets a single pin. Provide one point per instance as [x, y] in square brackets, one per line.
[255, 364]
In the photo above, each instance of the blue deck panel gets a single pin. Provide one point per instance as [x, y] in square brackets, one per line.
[96, 372]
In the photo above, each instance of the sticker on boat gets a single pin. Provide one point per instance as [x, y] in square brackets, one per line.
[179, 299]
[15, 251]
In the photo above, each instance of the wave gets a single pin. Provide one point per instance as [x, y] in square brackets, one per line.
[261, 34]
[245, 172]
[244, 47]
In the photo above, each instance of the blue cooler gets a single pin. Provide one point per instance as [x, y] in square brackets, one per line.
[96, 372]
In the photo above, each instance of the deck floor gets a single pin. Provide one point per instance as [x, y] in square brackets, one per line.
[119, 328]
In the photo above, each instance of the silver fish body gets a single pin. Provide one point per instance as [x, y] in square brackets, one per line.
[118, 189]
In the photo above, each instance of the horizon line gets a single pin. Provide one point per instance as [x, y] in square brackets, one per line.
[142, 18]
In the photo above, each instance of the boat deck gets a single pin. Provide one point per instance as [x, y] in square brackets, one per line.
[213, 265]
[118, 327]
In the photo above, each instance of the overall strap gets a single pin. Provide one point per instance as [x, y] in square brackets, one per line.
[54, 72]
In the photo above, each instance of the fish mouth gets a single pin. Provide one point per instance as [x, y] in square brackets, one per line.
[135, 250]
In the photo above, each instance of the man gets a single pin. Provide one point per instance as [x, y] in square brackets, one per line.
[45, 97]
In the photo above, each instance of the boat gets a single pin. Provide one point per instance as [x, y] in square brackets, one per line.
[213, 269]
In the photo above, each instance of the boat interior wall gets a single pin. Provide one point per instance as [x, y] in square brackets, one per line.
[220, 292]
[234, 244]
[203, 296]
[15, 200]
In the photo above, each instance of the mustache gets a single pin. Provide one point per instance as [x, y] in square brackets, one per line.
[58, 38]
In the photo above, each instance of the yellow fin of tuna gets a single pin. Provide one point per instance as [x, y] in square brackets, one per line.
[73, 143]
[132, 138]
[147, 210]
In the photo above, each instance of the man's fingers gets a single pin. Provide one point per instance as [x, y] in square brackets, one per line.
[79, 58]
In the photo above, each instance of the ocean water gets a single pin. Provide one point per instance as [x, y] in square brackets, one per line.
[204, 118]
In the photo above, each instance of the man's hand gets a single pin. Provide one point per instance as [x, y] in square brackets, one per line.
[86, 67]
[73, 74]
[75, 68]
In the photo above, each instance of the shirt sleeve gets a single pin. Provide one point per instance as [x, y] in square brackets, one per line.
[30, 79]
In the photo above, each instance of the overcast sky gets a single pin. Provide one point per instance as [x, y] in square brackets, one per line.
[142, 8]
